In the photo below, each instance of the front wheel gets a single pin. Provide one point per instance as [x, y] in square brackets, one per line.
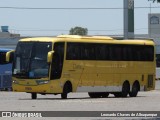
[65, 92]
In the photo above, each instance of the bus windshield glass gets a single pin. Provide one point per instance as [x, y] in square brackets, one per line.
[31, 59]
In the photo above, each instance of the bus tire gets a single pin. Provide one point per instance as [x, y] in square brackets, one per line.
[66, 89]
[125, 89]
[135, 89]
[34, 95]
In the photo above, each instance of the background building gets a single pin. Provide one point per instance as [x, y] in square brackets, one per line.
[7, 39]
[154, 29]
[154, 25]
[154, 32]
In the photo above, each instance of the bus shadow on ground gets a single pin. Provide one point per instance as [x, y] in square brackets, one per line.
[82, 98]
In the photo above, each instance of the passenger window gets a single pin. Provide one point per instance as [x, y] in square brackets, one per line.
[73, 51]
[102, 52]
[88, 52]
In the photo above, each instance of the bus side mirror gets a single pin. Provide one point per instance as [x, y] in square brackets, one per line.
[50, 56]
[10, 56]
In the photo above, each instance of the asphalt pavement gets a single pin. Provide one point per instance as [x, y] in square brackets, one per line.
[17, 101]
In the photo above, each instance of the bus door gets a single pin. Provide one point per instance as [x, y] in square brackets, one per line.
[57, 61]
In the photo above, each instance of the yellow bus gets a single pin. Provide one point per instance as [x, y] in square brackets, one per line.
[99, 65]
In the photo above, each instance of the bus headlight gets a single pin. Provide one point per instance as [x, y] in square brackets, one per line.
[15, 81]
[39, 82]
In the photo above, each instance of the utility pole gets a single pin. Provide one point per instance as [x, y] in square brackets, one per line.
[128, 19]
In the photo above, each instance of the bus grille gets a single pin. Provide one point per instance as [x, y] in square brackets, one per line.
[150, 81]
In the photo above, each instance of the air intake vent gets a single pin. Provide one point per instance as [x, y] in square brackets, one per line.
[150, 81]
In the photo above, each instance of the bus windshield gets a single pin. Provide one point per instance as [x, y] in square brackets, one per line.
[31, 59]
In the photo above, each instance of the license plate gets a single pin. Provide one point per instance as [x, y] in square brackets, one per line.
[28, 88]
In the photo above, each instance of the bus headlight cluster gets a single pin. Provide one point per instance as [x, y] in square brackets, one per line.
[39, 82]
[15, 81]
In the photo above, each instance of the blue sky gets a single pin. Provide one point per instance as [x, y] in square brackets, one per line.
[55, 22]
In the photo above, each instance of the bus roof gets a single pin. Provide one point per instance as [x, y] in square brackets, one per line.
[86, 37]
[89, 39]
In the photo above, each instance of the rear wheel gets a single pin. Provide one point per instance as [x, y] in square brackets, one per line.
[135, 89]
[34, 95]
[125, 89]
